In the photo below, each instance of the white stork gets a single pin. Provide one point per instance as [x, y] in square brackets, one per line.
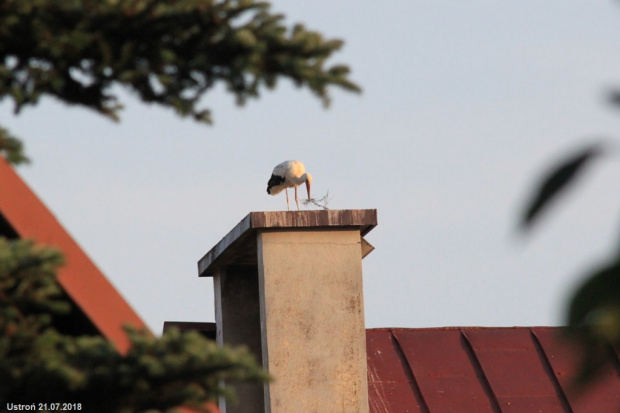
[286, 175]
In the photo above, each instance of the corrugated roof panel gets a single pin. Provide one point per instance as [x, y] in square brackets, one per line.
[520, 370]
[390, 389]
[515, 369]
[532, 404]
[603, 396]
[442, 366]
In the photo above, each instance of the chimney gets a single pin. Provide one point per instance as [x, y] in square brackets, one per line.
[288, 285]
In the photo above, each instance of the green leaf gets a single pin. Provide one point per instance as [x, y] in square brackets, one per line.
[596, 300]
[594, 322]
[557, 180]
[614, 98]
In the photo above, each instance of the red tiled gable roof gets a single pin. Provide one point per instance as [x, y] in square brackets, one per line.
[508, 370]
[79, 277]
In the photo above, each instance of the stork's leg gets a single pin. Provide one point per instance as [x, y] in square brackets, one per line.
[287, 203]
[296, 198]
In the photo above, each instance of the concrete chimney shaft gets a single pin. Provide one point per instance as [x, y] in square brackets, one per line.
[288, 285]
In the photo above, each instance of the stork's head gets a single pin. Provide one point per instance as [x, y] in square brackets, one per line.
[308, 182]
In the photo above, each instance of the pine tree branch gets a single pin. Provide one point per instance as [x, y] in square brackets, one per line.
[169, 53]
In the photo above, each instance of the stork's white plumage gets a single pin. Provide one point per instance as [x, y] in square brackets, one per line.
[286, 175]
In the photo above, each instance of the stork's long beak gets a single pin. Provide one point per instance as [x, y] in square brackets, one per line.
[308, 188]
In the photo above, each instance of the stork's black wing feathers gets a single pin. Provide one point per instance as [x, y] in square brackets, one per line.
[275, 180]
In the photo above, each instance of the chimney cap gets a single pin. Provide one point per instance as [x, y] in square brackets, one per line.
[239, 246]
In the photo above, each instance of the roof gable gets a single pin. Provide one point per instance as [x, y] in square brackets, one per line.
[22, 212]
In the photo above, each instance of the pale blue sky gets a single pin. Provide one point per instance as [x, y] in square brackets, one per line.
[464, 104]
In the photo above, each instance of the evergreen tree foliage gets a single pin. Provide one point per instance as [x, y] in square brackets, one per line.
[168, 52]
[38, 364]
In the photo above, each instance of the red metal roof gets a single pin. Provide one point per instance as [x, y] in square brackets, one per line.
[473, 369]
[79, 277]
